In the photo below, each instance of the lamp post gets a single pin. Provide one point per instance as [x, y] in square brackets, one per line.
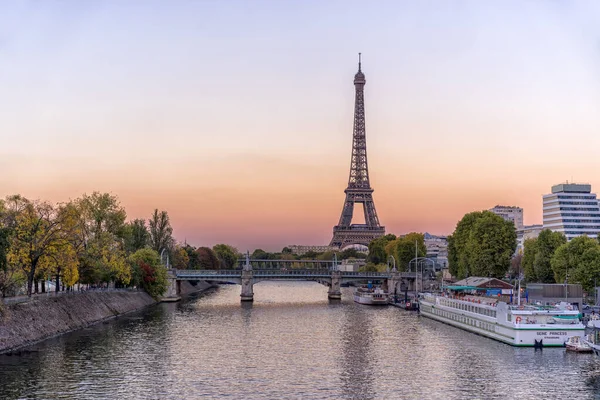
[161, 258]
[393, 263]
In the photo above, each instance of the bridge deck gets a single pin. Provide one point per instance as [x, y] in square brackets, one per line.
[299, 274]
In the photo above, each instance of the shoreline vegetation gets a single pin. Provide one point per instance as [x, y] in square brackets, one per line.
[88, 241]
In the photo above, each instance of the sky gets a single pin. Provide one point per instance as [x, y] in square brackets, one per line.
[236, 116]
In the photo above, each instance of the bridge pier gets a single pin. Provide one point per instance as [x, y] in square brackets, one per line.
[392, 284]
[334, 290]
[173, 287]
[247, 286]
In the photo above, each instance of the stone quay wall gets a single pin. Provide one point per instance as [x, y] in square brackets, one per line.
[40, 318]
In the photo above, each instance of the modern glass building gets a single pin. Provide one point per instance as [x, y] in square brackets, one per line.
[572, 209]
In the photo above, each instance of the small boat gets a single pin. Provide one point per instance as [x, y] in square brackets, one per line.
[409, 304]
[578, 345]
[371, 296]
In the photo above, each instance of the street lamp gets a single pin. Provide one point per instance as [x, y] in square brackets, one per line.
[393, 263]
[161, 258]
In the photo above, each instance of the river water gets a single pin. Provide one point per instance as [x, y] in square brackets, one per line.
[292, 343]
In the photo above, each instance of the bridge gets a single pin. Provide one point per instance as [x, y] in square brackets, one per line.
[324, 272]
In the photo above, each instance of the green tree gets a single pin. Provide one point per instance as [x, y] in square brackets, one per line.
[161, 233]
[578, 259]
[377, 254]
[100, 239]
[529, 252]
[136, 235]
[404, 248]
[259, 254]
[148, 272]
[194, 257]
[227, 255]
[481, 245]
[351, 253]
[546, 245]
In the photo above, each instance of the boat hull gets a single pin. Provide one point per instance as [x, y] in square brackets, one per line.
[368, 300]
[546, 336]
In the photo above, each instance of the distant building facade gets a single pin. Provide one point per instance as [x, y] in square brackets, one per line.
[528, 232]
[437, 250]
[572, 209]
[510, 213]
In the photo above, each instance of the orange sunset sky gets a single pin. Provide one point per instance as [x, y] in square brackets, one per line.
[236, 117]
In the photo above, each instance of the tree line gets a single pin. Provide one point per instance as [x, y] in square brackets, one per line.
[484, 244]
[88, 241]
[549, 258]
[403, 249]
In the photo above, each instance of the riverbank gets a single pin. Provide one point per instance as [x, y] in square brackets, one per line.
[26, 323]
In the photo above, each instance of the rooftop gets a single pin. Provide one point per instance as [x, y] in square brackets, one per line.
[572, 188]
[481, 282]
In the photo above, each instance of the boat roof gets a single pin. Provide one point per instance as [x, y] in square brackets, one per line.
[464, 287]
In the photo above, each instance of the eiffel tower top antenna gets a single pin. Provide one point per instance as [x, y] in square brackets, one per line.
[359, 62]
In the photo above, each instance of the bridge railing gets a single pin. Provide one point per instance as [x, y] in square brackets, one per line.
[235, 273]
[297, 264]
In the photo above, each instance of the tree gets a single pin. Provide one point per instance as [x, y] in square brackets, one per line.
[161, 233]
[136, 235]
[100, 242]
[458, 258]
[351, 253]
[529, 252]
[481, 245]
[38, 231]
[546, 245]
[516, 266]
[181, 259]
[149, 273]
[207, 258]
[194, 257]
[259, 254]
[227, 255]
[377, 254]
[403, 249]
[579, 260]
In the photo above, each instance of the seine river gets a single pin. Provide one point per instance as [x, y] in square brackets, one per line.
[292, 343]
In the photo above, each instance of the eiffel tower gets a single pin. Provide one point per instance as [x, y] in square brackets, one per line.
[359, 189]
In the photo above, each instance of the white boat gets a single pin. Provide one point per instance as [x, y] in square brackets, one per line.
[525, 325]
[578, 345]
[375, 296]
[593, 340]
[594, 321]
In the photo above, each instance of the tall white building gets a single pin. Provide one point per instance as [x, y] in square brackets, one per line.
[572, 209]
[510, 213]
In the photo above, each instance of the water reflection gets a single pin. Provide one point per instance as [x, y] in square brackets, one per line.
[357, 369]
[291, 343]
